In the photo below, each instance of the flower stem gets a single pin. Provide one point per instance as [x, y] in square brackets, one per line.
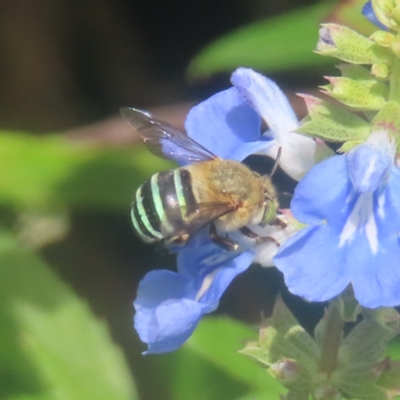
[331, 340]
[394, 93]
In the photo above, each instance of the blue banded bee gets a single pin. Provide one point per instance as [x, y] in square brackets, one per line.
[173, 205]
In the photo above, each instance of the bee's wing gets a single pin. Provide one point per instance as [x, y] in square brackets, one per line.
[165, 141]
[207, 213]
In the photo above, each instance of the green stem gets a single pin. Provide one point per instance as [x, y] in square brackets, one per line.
[394, 89]
[331, 340]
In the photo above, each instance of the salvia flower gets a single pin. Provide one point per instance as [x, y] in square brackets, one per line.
[170, 304]
[369, 13]
[352, 207]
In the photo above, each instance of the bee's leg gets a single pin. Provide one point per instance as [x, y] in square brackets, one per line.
[180, 240]
[253, 235]
[279, 223]
[224, 242]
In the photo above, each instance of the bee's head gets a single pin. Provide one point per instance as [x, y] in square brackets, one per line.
[270, 211]
[270, 202]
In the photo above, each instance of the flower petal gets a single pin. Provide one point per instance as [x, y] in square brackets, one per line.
[369, 163]
[327, 184]
[221, 278]
[267, 99]
[261, 93]
[226, 125]
[312, 264]
[165, 316]
[376, 274]
[368, 12]
[211, 270]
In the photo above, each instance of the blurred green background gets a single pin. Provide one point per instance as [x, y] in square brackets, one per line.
[70, 263]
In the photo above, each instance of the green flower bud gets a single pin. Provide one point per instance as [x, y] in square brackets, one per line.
[385, 12]
[365, 94]
[389, 377]
[380, 71]
[286, 370]
[382, 38]
[388, 318]
[388, 118]
[395, 46]
[327, 392]
[348, 45]
[332, 123]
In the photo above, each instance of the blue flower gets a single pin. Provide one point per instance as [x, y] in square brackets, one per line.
[369, 13]
[352, 207]
[170, 304]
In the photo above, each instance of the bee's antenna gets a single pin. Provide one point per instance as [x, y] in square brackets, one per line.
[275, 167]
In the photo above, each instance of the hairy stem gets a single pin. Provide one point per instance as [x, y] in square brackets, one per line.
[331, 340]
[394, 93]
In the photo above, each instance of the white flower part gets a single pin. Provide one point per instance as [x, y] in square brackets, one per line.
[272, 238]
[384, 141]
[298, 154]
[362, 217]
[266, 251]
[207, 281]
[264, 96]
[369, 164]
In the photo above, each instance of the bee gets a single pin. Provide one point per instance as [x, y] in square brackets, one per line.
[173, 205]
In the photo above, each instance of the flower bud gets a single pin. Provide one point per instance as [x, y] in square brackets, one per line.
[332, 123]
[389, 379]
[386, 317]
[380, 71]
[386, 11]
[382, 38]
[286, 370]
[361, 95]
[348, 45]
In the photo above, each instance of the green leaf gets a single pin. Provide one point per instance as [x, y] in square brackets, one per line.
[51, 346]
[50, 170]
[213, 368]
[277, 44]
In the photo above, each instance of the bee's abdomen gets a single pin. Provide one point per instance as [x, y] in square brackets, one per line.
[162, 204]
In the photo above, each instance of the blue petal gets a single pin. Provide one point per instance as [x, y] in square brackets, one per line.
[177, 320]
[165, 314]
[267, 99]
[191, 261]
[368, 12]
[312, 265]
[226, 125]
[376, 275]
[325, 185]
[368, 167]
[212, 270]
[318, 264]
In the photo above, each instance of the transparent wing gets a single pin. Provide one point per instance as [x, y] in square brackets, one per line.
[208, 212]
[165, 141]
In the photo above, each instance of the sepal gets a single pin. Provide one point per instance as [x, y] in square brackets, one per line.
[388, 318]
[346, 44]
[289, 351]
[380, 71]
[387, 13]
[389, 377]
[357, 88]
[388, 119]
[332, 123]
[348, 306]
[296, 395]
[382, 38]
